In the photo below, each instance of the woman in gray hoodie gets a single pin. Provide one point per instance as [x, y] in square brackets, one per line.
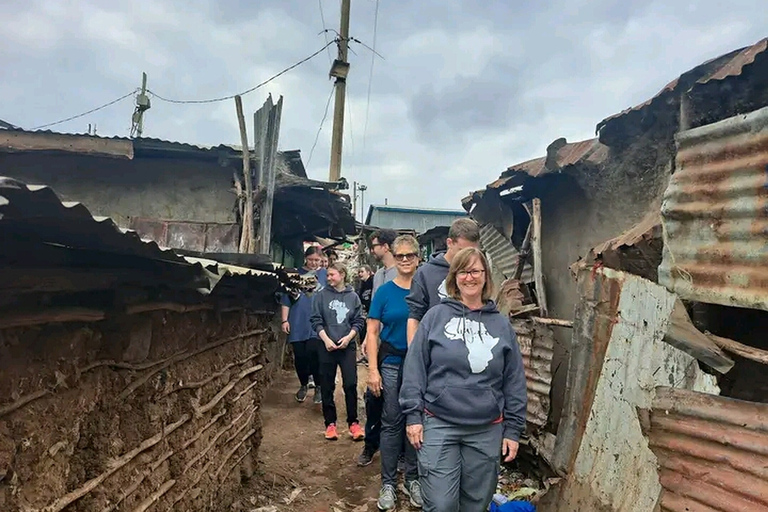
[463, 391]
[337, 319]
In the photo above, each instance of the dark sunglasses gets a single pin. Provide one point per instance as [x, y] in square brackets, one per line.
[406, 257]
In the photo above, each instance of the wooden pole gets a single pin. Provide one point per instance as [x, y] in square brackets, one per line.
[538, 273]
[268, 170]
[339, 101]
[552, 321]
[246, 238]
[734, 347]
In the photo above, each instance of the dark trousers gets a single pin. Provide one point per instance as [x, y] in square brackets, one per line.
[393, 429]
[374, 405]
[329, 361]
[305, 355]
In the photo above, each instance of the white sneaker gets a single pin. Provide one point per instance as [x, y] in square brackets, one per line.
[311, 383]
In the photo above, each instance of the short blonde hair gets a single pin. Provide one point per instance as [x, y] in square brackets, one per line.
[341, 269]
[461, 261]
[406, 240]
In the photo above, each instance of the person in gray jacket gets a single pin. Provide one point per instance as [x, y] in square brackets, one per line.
[463, 391]
[428, 287]
[337, 319]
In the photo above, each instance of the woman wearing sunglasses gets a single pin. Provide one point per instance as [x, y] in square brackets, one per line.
[387, 345]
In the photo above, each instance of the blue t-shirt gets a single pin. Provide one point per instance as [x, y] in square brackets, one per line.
[389, 307]
[301, 310]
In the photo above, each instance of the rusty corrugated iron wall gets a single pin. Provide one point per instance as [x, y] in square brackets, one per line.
[537, 348]
[502, 253]
[712, 452]
[715, 214]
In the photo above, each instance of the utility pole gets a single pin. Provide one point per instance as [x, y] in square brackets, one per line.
[362, 189]
[339, 71]
[354, 199]
[142, 105]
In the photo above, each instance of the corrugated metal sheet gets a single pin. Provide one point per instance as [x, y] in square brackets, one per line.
[537, 344]
[712, 452]
[191, 236]
[502, 253]
[36, 211]
[618, 358]
[720, 68]
[416, 219]
[715, 214]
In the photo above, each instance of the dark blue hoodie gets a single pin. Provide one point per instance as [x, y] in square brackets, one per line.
[428, 286]
[464, 367]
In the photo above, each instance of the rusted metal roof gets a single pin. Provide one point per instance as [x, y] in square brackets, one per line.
[720, 68]
[715, 214]
[712, 451]
[537, 344]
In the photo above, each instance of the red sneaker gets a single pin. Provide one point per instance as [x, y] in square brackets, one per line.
[330, 432]
[356, 432]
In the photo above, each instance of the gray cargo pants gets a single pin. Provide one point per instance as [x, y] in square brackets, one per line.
[458, 465]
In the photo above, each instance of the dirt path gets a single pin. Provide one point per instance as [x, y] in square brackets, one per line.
[294, 455]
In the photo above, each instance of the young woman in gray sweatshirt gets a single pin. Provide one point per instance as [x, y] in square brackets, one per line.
[463, 391]
[337, 319]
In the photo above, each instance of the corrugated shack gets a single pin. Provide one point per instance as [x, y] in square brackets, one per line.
[648, 247]
[179, 195]
[130, 376]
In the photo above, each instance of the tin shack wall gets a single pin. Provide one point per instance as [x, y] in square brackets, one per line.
[609, 463]
[712, 451]
[715, 214]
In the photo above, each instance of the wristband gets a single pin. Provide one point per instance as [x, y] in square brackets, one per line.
[285, 321]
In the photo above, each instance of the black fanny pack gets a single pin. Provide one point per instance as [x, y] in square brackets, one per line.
[387, 349]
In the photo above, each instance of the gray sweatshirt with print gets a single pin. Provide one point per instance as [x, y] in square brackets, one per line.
[336, 312]
[465, 367]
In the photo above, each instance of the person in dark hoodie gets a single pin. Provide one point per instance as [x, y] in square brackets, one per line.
[463, 391]
[428, 287]
[337, 319]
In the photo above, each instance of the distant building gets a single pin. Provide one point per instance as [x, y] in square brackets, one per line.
[407, 218]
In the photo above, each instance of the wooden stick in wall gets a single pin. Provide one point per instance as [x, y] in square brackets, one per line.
[538, 272]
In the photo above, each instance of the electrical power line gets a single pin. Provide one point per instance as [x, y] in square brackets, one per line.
[322, 122]
[325, 29]
[72, 118]
[262, 84]
[370, 74]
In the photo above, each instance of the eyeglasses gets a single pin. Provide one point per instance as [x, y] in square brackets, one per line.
[406, 257]
[474, 273]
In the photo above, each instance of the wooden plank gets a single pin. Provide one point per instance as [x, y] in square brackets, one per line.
[683, 335]
[734, 347]
[12, 141]
[265, 217]
[246, 239]
[552, 321]
[538, 273]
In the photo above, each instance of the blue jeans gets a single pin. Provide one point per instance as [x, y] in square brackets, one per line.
[393, 428]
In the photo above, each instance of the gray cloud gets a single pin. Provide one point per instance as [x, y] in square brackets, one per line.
[466, 88]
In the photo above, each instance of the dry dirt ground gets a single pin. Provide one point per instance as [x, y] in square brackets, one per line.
[298, 469]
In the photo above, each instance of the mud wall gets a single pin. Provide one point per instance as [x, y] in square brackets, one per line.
[582, 208]
[145, 412]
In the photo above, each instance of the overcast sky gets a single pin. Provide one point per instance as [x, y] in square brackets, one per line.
[465, 89]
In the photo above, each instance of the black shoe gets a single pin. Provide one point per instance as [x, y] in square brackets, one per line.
[365, 458]
[318, 398]
[301, 394]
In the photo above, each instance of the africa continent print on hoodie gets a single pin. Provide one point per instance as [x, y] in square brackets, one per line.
[476, 338]
[442, 291]
[340, 309]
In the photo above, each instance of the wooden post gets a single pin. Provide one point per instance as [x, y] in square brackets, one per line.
[339, 70]
[267, 176]
[247, 242]
[538, 272]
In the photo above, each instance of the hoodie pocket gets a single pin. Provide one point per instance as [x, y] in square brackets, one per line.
[470, 404]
